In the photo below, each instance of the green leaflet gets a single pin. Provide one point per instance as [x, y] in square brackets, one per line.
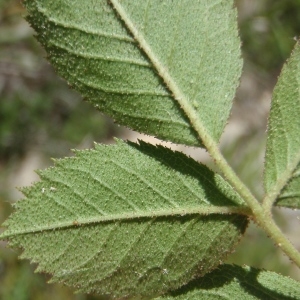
[282, 170]
[233, 282]
[127, 219]
[192, 43]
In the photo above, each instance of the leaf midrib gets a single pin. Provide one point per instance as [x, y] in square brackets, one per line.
[174, 89]
[133, 216]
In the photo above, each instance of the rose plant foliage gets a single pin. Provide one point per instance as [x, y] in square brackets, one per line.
[134, 220]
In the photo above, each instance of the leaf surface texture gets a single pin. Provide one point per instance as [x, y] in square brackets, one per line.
[98, 46]
[282, 167]
[234, 282]
[125, 220]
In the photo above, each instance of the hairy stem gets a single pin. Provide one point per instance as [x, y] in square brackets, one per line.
[262, 217]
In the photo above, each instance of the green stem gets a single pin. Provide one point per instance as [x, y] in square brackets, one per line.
[262, 217]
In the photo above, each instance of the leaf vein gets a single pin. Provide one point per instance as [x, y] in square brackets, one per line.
[68, 245]
[147, 183]
[72, 190]
[79, 27]
[77, 53]
[107, 186]
[119, 91]
[80, 267]
[184, 229]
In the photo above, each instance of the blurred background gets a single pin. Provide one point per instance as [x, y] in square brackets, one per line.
[41, 118]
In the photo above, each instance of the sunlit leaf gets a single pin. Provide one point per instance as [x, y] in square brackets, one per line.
[99, 47]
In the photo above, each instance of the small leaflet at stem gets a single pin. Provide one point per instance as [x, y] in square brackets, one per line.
[282, 163]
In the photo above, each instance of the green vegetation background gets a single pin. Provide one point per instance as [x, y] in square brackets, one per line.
[40, 117]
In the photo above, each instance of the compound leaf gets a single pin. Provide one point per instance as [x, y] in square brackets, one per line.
[127, 219]
[282, 166]
[99, 47]
[234, 282]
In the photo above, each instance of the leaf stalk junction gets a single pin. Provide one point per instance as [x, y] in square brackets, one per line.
[260, 214]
